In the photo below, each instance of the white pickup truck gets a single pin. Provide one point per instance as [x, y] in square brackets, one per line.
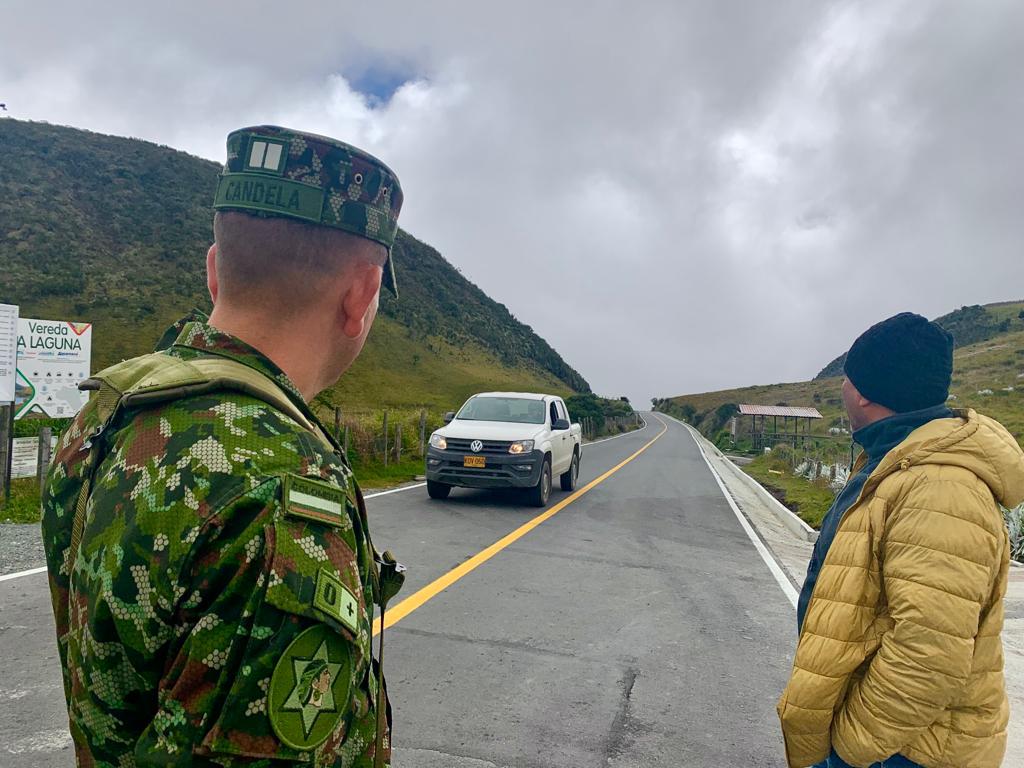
[506, 440]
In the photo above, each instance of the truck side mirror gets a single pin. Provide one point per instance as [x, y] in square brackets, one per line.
[449, 416]
[560, 425]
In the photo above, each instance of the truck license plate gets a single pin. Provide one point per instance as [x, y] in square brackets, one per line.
[478, 462]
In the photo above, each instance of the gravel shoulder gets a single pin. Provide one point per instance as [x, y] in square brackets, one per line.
[21, 547]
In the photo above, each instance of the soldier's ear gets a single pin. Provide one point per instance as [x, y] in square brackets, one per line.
[211, 272]
[360, 292]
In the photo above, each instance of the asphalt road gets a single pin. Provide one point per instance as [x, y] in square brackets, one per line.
[637, 626]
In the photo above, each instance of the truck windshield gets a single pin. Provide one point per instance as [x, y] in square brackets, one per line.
[514, 409]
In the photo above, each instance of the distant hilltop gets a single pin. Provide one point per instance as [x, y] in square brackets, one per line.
[114, 231]
[988, 375]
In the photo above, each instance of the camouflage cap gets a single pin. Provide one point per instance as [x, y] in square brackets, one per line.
[274, 171]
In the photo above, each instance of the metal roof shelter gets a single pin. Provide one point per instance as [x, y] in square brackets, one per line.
[763, 437]
[779, 410]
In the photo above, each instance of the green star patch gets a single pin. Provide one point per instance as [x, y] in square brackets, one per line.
[309, 689]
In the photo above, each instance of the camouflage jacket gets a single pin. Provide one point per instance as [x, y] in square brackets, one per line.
[220, 607]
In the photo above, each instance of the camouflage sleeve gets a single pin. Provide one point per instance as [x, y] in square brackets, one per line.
[272, 661]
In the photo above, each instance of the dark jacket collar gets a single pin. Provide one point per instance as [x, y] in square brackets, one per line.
[882, 436]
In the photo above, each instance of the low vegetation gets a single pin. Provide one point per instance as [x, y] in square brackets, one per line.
[23, 506]
[809, 500]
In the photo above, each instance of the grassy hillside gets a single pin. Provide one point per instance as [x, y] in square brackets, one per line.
[114, 231]
[969, 325]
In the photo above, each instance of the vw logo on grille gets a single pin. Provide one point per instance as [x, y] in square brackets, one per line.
[476, 446]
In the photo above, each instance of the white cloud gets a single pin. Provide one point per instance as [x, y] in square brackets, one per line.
[680, 197]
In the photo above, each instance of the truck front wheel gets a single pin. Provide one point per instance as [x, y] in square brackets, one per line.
[541, 492]
[570, 476]
[438, 490]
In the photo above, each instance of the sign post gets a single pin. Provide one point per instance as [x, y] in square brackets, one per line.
[6, 449]
[45, 452]
[8, 377]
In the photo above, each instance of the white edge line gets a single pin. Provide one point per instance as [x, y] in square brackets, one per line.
[29, 572]
[393, 490]
[780, 576]
[781, 508]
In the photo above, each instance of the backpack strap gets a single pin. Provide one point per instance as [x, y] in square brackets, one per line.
[157, 377]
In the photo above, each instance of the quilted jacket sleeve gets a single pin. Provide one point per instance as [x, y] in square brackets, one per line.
[940, 556]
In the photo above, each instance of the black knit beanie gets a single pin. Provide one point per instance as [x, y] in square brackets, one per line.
[904, 363]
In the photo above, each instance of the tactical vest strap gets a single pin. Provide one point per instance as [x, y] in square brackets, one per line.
[155, 378]
[207, 374]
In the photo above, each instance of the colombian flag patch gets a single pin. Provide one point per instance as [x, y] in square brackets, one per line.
[314, 500]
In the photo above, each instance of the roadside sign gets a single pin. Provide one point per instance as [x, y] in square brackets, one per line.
[53, 359]
[25, 456]
[8, 351]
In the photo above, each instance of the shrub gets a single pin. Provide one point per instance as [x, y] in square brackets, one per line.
[784, 453]
[1015, 525]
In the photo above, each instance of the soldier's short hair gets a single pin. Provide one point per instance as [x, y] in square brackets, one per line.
[282, 260]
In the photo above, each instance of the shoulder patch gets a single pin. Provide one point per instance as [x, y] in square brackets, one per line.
[314, 500]
[309, 689]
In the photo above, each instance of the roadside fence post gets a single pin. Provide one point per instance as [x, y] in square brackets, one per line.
[346, 442]
[398, 443]
[385, 438]
[423, 433]
[6, 449]
[337, 423]
[43, 456]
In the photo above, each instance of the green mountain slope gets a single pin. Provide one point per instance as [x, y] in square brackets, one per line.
[988, 375]
[969, 325]
[114, 231]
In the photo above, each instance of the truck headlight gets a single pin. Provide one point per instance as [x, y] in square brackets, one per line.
[522, 446]
[438, 441]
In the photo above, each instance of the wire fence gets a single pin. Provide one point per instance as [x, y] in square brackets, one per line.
[386, 435]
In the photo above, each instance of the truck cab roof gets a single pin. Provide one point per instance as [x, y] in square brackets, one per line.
[521, 395]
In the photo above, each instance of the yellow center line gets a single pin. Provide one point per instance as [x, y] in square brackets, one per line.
[417, 599]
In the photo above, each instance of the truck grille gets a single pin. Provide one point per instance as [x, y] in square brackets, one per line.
[492, 447]
[496, 473]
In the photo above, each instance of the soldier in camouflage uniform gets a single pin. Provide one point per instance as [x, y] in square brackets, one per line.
[211, 570]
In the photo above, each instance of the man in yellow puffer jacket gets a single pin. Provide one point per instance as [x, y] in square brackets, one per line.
[900, 660]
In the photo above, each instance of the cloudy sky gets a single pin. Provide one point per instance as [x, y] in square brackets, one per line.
[679, 196]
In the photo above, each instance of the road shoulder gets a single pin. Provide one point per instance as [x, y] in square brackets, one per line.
[791, 551]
